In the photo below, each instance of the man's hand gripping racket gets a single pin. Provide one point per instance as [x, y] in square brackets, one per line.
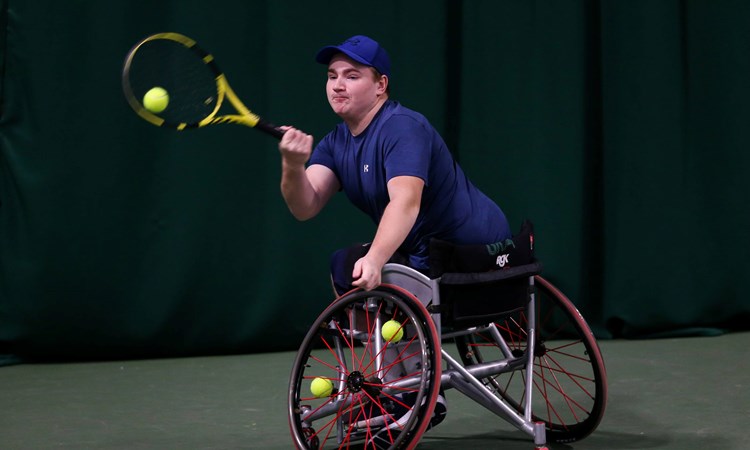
[195, 85]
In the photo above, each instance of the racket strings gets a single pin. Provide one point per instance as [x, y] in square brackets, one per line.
[182, 71]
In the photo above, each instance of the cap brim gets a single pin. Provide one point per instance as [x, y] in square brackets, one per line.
[326, 53]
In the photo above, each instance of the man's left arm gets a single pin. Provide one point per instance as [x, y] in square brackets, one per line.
[399, 216]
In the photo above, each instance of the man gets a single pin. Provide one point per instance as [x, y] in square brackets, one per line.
[391, 163]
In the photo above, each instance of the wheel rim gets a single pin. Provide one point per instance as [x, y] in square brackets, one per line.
[367, 404]
[569, 393]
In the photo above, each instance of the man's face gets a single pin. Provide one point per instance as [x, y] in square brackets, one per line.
[352, 88]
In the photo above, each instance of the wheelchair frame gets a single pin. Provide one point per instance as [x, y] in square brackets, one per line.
[365, 396]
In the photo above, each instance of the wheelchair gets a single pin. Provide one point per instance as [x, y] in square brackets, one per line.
[522, 351]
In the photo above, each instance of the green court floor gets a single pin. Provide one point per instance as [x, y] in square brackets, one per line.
[682, 394]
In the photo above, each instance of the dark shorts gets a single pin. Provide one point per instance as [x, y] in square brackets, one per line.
[342, 265]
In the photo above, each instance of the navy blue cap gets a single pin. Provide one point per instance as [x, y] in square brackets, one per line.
[361, 49]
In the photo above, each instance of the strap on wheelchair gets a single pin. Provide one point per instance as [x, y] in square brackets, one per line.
[446, 257]
[494, 276]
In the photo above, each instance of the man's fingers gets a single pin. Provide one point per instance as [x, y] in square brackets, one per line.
[365, 276]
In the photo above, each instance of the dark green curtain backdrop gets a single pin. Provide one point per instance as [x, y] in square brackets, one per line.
[619, 128]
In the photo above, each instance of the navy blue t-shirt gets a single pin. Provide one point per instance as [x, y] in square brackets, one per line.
[399, 142]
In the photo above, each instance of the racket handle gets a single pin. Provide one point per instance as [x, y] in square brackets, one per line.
[268, 127]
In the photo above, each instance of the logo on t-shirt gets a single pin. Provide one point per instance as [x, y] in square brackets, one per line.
[366, 168]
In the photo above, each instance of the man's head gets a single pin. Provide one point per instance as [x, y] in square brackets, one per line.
[357, 78]
[361, 49]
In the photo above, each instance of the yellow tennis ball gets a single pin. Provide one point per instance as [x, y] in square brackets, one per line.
[392, 331]
[321, 387]
[156, 100]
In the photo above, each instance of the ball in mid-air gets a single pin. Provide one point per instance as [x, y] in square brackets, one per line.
[156, 100]
[392, 331]
[321, 387]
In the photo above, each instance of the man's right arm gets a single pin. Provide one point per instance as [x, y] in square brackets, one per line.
[305, 191]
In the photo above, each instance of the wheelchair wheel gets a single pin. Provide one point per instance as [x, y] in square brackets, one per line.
[570, 380]
[376, 393]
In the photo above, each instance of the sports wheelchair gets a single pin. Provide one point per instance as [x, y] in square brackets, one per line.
[523, 350]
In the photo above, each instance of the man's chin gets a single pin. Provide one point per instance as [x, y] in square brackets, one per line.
[341, 111]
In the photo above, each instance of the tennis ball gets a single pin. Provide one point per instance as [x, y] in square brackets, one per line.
[321, 387]
[156, 100]
[392, 331]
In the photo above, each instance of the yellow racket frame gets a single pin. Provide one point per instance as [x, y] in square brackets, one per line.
[223, 90]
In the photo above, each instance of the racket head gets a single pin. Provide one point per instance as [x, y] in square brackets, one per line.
[189, 74]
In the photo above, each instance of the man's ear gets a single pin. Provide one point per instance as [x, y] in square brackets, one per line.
[382, 84]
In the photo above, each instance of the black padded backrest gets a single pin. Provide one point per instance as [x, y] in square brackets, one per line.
[479, 283]
[517, 251]
[476, 298]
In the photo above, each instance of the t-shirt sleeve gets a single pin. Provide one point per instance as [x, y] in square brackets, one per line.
[408, 147]
[323, 154]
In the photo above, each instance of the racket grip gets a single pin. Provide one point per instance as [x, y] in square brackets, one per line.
[269, 128]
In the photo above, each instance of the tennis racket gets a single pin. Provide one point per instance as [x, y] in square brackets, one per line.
[196, 86]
